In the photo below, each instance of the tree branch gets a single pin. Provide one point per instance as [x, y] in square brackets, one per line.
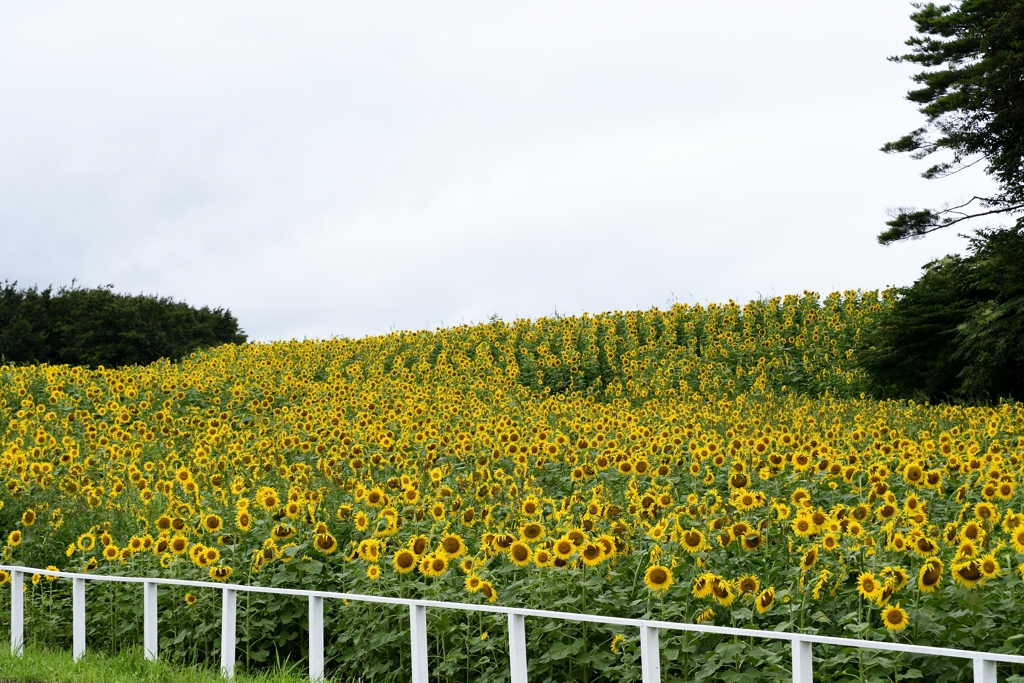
[911, 224]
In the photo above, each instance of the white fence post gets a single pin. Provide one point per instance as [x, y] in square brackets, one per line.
[418, 632]
[77, 618]
[316, 638]
[517, 647]
[984, 671]
[227, 634]
[803, 662]
[17, 613]
[650, 654]
[149, 620]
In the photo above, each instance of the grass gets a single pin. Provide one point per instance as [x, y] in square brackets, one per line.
[39, 665]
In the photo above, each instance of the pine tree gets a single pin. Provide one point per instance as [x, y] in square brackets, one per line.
[972, 96]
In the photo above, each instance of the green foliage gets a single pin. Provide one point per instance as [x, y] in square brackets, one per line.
[912, 353]
[958, 332]
[95, 327]
[973, 99]
[992, 338]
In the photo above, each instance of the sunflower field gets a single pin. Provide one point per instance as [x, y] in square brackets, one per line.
[715, 464]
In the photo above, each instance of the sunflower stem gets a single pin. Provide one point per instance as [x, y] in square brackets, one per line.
[586, 648]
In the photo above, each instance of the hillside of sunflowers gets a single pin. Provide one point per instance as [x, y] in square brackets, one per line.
[716, 464]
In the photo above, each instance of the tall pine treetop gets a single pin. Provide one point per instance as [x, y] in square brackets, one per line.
[972, 94]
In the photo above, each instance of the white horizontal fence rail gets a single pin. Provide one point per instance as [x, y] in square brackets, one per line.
[802, 643]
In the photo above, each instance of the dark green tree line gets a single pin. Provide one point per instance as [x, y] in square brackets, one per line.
[95, 327]
[958, 332]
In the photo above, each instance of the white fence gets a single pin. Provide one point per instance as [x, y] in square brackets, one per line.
[984, 662]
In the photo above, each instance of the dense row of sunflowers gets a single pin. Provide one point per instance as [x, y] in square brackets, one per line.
[704, 464]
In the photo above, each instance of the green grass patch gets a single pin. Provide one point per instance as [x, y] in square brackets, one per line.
[39, 665]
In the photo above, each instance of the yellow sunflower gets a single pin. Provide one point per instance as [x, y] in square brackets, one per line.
[751, 540]
[243, 520]
[748, 585]
[433, 565]
[868, 586]
[488, 591]
[369, 550]
[930, 576]
[658, 578]
[213, 523]
[564, 548]
[989, 566]
[1018, 540]
[895, 617]
[453, 545]
[692, 540]
[803, 526]
[809, 559]
[531, 531]
[723, 592]
[925, 547]
[702, 585]
[592, 554]
[404, 561]
[222, 573]
[967, 573]
[86, 542]
[520, 554]
[325, 543]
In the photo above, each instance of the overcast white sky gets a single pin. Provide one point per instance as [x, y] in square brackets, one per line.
[342, 169]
